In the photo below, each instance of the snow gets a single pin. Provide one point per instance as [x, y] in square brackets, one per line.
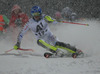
[86, 38]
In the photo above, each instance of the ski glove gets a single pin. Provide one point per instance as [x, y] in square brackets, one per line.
[49, 19]
[17, 45]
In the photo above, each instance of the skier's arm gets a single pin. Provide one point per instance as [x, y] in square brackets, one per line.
[20, 36]
[23, 31]
[50, 20]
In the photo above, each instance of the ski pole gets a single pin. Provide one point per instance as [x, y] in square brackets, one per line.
[74, 23]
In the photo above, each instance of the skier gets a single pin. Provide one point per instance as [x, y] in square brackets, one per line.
[39, 26]
[68, 14]
[4, 22]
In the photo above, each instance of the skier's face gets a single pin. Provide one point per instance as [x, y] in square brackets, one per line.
[36, 16]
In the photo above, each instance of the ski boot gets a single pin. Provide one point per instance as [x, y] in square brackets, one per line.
[56, 54]
[78, 53]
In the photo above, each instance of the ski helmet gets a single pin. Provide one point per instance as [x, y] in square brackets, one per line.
[36, 11]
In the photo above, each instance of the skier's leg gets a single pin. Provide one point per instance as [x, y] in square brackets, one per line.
[67, 47]
[75, 52]
[51, 48]
[47, 46]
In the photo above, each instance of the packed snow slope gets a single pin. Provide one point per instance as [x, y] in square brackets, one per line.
[86, 38]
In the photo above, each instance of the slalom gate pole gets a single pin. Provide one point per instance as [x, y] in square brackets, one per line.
[74, 23]
[20, 49]
[25, 49]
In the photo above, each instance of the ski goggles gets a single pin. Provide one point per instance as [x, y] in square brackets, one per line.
[36, 14]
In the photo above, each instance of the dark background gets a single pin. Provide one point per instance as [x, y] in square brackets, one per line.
[84, 8]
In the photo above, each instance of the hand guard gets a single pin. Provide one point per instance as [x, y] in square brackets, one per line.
[17, 45]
